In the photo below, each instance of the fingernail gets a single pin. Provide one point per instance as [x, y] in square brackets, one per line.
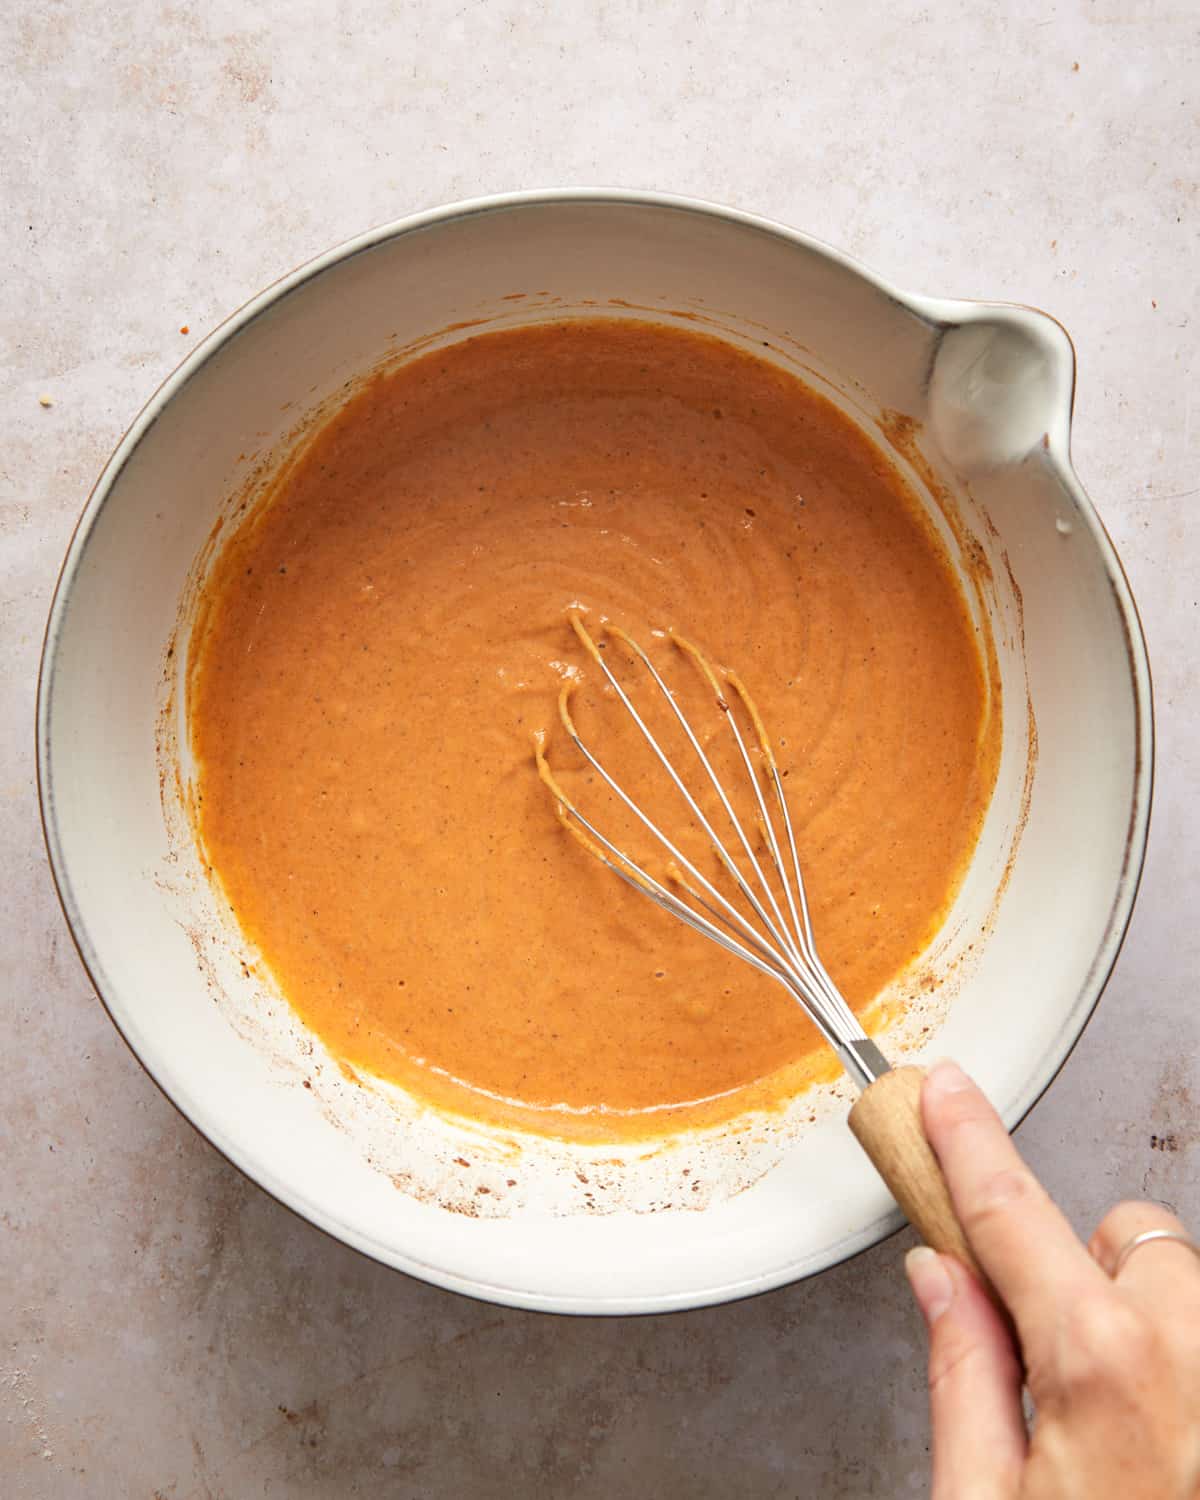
[930, 1282]
[947, 1077]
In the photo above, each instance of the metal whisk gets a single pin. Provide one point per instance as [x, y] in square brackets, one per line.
[771, 930]
[768, 924]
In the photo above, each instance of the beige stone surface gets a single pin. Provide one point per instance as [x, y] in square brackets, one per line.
[165, 1329]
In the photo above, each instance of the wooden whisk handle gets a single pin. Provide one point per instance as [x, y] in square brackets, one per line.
[888, 1124]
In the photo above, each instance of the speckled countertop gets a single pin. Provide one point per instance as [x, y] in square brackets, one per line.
[165, 1329]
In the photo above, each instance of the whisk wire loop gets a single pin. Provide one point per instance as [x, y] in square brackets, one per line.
[781, 946]
[774, 922]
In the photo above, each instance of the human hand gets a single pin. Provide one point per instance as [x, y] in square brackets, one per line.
[1110, 1344]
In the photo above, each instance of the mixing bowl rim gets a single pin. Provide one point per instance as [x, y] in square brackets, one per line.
[937, 312]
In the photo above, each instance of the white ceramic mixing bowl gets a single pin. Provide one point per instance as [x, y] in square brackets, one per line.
[978, 398]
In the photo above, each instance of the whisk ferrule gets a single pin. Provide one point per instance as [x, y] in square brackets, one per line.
[863, 1061]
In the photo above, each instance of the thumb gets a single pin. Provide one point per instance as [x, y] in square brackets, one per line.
[979, 1437]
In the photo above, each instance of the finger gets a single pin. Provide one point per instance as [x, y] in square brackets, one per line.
[1024, 1244]
[1159, 1274]
[1123, 1224]
[979, 1438]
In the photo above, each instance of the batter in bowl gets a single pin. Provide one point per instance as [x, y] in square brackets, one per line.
[382, 636]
